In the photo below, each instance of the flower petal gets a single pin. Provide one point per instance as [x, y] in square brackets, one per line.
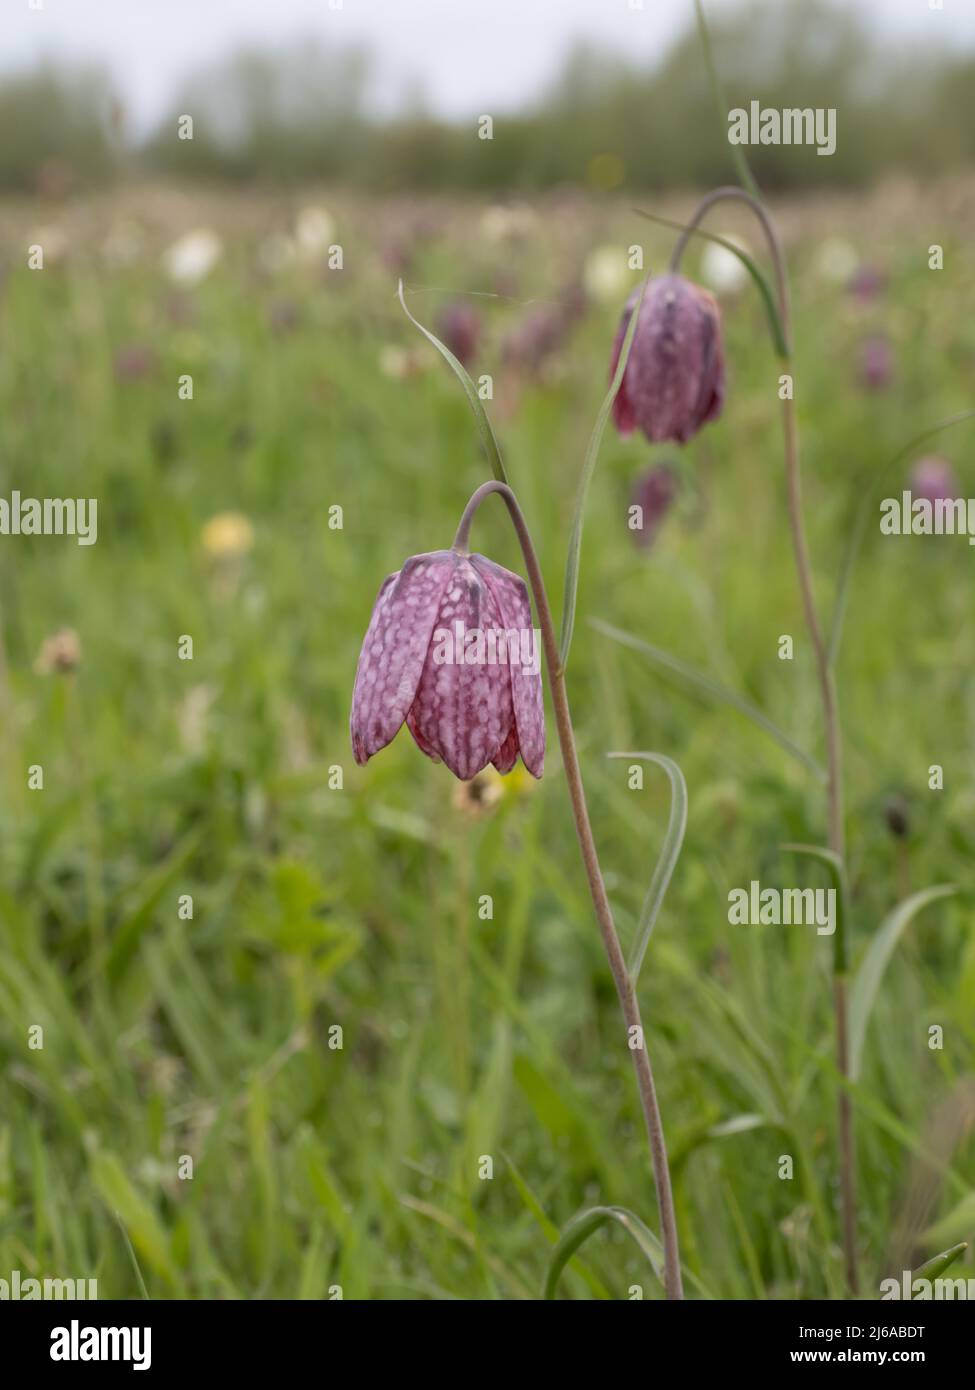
[511, 595]
[395, 648]
[463, 708]
[507, 755]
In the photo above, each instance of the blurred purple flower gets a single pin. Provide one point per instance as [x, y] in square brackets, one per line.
[866, 283]
[460, 329]
[934, 478]
[133, 362]
[876, 363]
[464, 711]
[674, 378]
[654, 494]
[535, 337]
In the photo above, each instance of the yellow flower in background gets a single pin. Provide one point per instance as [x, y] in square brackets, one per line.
[227, 535]
[484, 793]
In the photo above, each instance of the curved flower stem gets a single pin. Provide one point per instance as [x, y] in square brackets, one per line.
[827, 691]
[625, 986]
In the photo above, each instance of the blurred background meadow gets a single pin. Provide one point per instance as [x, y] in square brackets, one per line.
[329, 896]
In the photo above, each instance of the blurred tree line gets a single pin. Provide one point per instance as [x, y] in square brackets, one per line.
[308, 114]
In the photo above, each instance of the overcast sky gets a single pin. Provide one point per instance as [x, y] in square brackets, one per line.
[468, 55]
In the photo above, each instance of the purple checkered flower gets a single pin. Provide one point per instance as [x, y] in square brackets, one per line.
[674, 378]
[466, 711]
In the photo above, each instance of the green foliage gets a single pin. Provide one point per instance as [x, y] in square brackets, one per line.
[213, 1037]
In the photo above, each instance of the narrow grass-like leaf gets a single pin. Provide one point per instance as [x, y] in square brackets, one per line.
[582, 491]
[691, 676]
[834, 863]
[745, 176]
[959, 1221]
[131, 1210]
[874, 963]
[582, 1226]
[132, 1256]
[868, 493]
[937, 1265]
[549, 1228]
[779, 338]
[488, 437]
[666, 860]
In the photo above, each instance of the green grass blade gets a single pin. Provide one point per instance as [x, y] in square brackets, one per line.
[132, 1256]
[134, 1212]
[582, 491]
[581, 1227]
[937, 1265]
[666, 860]
[779, 338]
[959, 1221]
[488, 437]
[868, 495]
[874, 963]
[745, 176]
[691, 676]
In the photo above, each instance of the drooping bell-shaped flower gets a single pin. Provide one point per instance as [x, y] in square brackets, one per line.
[674, 378]
[451, 652]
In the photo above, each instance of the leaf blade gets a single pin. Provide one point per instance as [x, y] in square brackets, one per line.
[667, 859]
[485, 429]
[711, 687]
[583, 1225]
[573, 555]
[868, 976]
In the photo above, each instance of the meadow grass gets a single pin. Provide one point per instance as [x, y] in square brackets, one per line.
[316, 1167]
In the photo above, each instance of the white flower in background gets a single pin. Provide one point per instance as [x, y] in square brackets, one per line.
[721, 270]
[191, 258]
[836, 260]
[606, 275]
[314, 233]
[506, 222]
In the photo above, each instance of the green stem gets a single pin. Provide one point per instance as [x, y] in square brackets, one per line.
[827, 692]
[625, 986]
